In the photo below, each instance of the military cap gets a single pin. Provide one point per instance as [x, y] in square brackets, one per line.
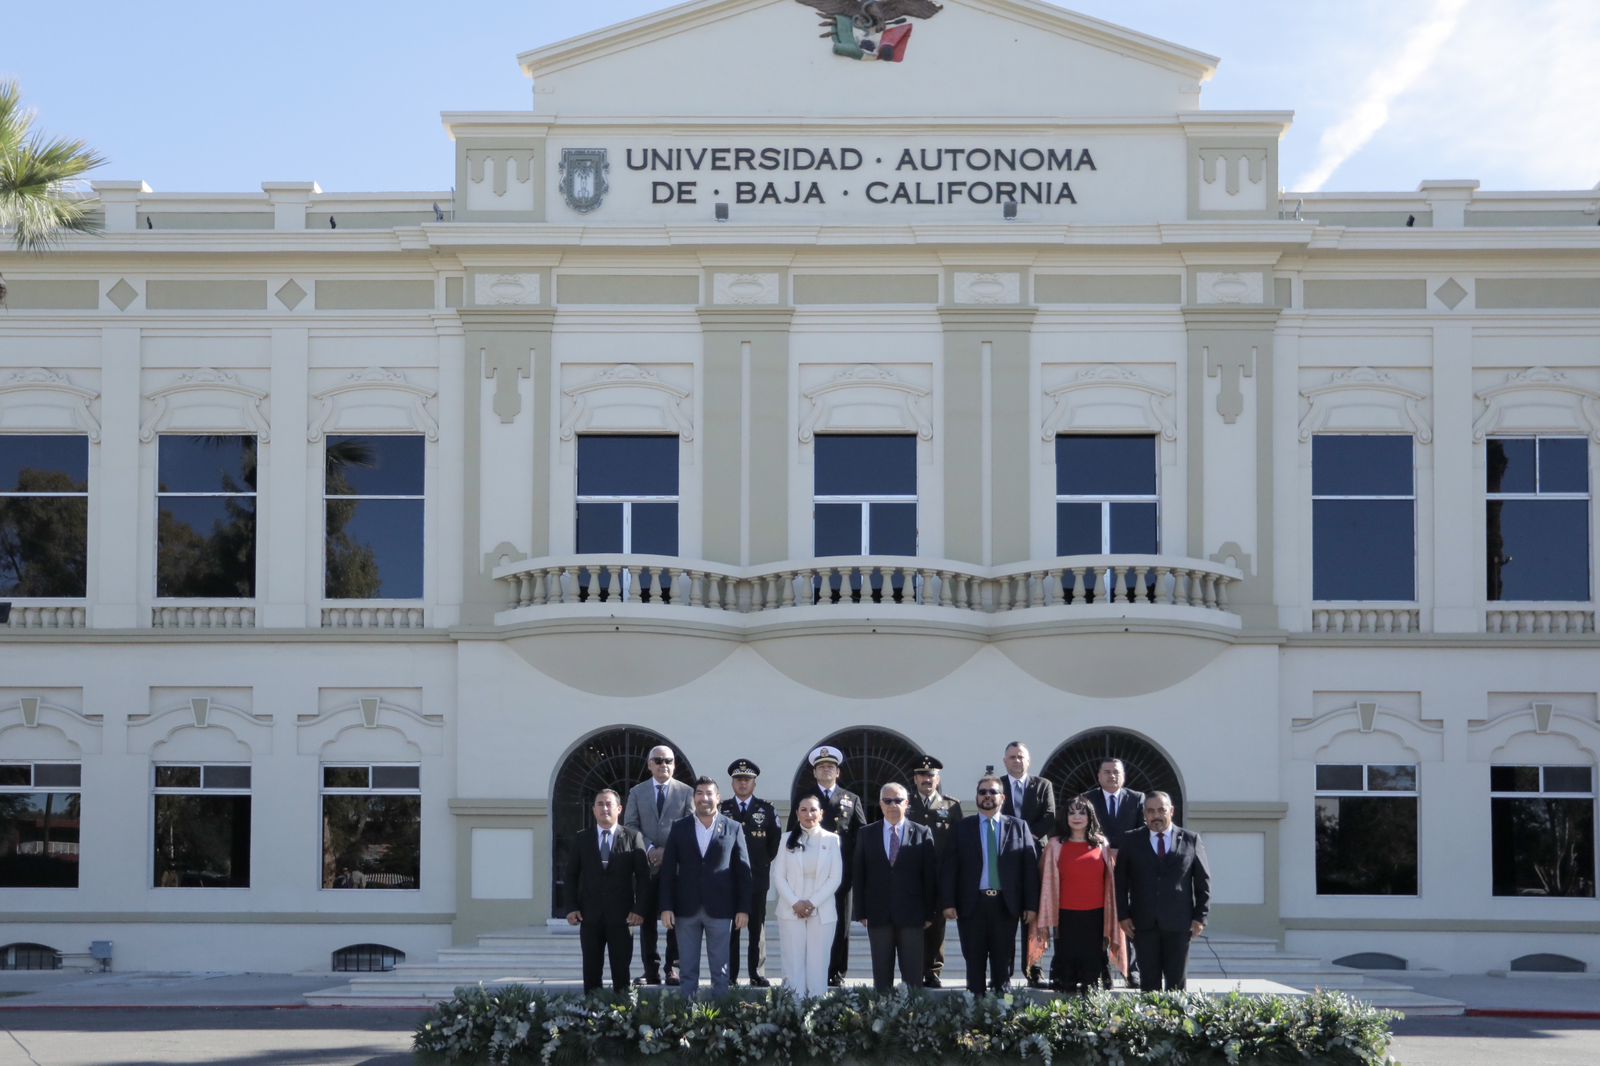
[927, 765]
[827, 753]
[743, 768]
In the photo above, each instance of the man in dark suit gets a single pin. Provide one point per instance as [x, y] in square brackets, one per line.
[842, 814]
[1033, 799]
[895, 889]
[1163, 894]
[990, 882]
[607, 880]
[759, 820]
[1121, 811]
[705, 888]
[654, 804]
[939, 813]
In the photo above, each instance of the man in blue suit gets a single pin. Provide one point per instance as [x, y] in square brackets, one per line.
[990, 881]
[705, 888]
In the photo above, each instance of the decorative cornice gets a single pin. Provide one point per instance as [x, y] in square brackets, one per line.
[670, 400]
[1534, 381]
[1059, 418]
[75, 397]
[1325, 398]
[207, 380]
[375, 380]
[866, 376]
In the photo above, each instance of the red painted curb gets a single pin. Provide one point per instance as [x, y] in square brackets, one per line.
[1558, 1015]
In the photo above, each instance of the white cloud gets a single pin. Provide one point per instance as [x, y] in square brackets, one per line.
[1370, 112]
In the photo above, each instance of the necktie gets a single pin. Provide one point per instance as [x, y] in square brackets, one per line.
[744, 808]
[991, 846]
[661, 799]
[1016, 796]
[1111, 807]
[894, 845]
[1161, 844]
[605, 847]
[827, 794]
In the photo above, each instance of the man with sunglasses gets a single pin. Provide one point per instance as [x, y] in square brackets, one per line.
[895, 889]
[653, 805]
[990, 883]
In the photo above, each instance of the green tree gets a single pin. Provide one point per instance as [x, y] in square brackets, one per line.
[37, 174]
[44, 540]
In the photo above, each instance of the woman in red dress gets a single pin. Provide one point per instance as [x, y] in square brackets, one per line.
[1076, 900]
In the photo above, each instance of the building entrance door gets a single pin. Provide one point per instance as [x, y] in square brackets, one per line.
[611, 758]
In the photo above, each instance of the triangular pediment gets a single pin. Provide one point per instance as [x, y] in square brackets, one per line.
[768, 59]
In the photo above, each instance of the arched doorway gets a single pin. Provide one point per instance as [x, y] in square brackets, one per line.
[1071, 768]
[872, 758]
[612, 758]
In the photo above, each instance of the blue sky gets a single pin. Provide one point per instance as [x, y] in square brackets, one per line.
[1386, 92]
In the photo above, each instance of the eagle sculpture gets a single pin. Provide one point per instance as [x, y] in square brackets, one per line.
[871, 16]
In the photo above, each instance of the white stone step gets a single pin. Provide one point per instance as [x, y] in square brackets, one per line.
[550, 957]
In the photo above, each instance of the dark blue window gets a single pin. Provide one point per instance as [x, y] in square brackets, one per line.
[865, 499]
[1536, 525]
[1363, 514]
[373, 512]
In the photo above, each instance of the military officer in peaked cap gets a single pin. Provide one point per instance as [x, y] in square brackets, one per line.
[841, 813]
[939, 813]
[761, 833]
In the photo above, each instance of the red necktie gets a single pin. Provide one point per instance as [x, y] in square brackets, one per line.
[1161, 844]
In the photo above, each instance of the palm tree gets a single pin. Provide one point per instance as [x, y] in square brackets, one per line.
[36, 177]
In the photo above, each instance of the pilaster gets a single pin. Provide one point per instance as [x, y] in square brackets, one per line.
[986, 428]
[1229, 432]
[120, 581]
[745, 370]
[509, 419]
[287, 543]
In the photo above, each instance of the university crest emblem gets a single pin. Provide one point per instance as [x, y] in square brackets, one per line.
[871, 29]
[583, 178]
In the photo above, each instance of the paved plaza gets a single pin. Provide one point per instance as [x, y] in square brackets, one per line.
[75, 1019]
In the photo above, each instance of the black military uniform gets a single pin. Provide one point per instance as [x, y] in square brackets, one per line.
[939, 814]
[762, 833]
[842, 813]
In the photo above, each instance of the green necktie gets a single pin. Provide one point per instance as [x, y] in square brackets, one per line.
[992, 847]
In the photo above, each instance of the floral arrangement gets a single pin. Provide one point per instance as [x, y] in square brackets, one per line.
[514, 1024]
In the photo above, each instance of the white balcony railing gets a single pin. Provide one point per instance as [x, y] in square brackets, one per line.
[1131, 582]
[1366, 618]
[224, 615]
[1539, 618]
[42, 614]
[372, 616]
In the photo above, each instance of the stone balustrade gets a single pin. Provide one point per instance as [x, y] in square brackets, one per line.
[1114, 582]
[372, 617]
[1540, 618]
[204, 616]
[48, 616]
[1365, 618]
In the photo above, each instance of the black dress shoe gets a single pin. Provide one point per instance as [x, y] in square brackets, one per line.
[932, 982]
[836, 982]
[672, 977]
[1037, 982]
[760, 982]
[647, 979]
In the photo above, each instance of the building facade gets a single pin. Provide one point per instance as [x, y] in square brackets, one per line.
[752, 391]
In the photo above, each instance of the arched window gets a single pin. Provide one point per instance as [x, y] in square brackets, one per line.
[611, 758]
[872, 758]
[29, 957]
[1072, 767]
[367, 958]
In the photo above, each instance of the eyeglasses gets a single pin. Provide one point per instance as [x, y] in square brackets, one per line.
[892, 802]
[662, 762]
[990, 792]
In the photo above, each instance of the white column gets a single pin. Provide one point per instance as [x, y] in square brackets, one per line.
[287, 596]
[1457, 506]
[121, 576]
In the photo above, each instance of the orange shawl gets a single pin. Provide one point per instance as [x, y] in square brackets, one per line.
[1039, 933]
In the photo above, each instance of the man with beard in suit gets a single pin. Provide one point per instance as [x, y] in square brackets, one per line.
[1033, 799]
[607, 881]
[1163, 894]
[940, 813]
[705, 887]
[653, 805]
[759, 820]
[990, 883]
[842, 814]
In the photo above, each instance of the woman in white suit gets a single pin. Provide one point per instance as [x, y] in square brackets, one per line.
[806, 873]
